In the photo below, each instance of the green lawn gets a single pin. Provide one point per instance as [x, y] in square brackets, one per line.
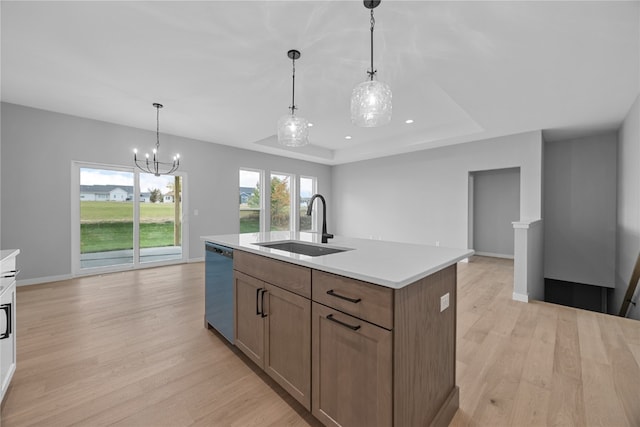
[249, 221]
[108, 226]
[113, 236]
[123, 211]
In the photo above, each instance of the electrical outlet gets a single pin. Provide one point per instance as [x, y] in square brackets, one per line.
[437, 242]
[195, 212]
[444, 302]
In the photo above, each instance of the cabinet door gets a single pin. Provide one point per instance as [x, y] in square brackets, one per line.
[248, 318]
[288, 342]
[8, 342]
[352, 370]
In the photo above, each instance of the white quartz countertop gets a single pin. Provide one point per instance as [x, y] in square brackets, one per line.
[389, 264]
[8, 253]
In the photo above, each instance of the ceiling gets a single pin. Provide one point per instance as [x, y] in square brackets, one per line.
[463, 71]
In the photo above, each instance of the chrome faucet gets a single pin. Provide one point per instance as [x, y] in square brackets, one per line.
[325, 235]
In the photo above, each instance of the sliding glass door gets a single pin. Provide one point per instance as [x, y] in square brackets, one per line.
[160, 218]
[124, 218]
[106, 217]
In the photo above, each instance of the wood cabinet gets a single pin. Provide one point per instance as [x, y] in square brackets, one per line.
[364, 300]
[291, 277]
[352, 370]
[352, 352]
[382, 356]
[288, 342]
[249, 321]
[273, 328]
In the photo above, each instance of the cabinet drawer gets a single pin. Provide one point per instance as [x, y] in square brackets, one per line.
[8, 265]
[288, 276]
[367, 301]
[7, 273]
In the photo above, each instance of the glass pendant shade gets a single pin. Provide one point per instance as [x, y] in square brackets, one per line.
[371, 100]
[371, 104]
[293, 131]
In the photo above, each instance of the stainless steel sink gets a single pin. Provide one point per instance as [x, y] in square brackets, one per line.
[302, 248]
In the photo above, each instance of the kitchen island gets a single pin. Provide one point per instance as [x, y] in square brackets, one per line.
[365, 336]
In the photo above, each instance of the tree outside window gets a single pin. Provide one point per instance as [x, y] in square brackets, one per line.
[280, 202]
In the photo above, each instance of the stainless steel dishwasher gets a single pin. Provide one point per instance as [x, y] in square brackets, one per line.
[219, 289]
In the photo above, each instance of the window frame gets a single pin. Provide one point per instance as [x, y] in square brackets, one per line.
[292, 199]
[314, 212]
[262, 208]
[294, 208]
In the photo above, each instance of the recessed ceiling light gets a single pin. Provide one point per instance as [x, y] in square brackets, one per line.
[347, 137]
[408, 121]
[310, 125]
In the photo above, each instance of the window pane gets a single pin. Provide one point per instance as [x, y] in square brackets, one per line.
[249, 199]
[280, 202]
[106, 217]
[160, 217]
[307, 189]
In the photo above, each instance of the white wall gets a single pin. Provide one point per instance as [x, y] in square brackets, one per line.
[528, 268]
[37, 150]
[496, 204]
[2, 247]
[628, 217]
[422, 197]
[580, 210]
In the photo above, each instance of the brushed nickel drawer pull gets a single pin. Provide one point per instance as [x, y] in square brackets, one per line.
[333, 319]
[353, 300]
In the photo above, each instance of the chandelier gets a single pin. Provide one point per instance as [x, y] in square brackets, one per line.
[371, 99]
[293, 131]
[155, 166]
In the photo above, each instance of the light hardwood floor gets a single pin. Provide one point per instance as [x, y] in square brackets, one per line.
[130, 349]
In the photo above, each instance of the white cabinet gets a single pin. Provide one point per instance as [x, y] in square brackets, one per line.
[8, 274]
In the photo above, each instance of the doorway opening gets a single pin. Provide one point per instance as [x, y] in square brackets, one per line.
[494, 203]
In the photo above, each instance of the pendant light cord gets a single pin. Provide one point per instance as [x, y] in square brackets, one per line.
[293, 88]
[158, 129]
[373, 23]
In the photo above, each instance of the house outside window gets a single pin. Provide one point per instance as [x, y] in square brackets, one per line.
[250, 201]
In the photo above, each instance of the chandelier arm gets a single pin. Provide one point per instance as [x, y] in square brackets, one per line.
[155, 168]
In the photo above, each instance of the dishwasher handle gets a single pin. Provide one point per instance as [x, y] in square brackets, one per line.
[226, 252]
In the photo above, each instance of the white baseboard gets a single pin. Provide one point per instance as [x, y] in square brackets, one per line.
[520, 297]
[47, 279]
[40, 280]
[491, 254]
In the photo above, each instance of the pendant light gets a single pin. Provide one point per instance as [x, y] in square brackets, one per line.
[371, 99]
[155, 166]
[293, 131]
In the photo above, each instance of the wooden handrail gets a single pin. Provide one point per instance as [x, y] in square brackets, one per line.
[633, 283]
